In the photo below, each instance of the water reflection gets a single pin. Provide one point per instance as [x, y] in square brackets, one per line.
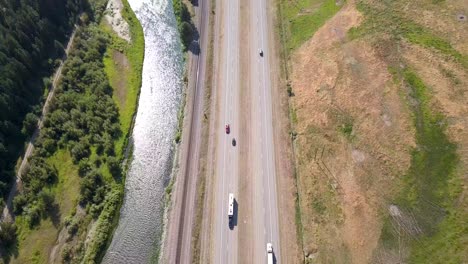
[140, 226]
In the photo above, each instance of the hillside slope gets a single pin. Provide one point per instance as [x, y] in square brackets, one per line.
[379, 106]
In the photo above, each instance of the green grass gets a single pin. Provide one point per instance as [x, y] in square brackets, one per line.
[106, 222]
[135, 54]
[293, 115]
[35, 244]
[431, 186]
[391, 21]
[305, 17]
[347, 129]
[67, 190]
[434, 160]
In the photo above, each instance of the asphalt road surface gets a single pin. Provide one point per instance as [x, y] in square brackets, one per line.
[225, 238]
[265, 209]
[262, 165]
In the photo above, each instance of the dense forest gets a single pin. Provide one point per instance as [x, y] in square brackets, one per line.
[83, 118]
[32, 36]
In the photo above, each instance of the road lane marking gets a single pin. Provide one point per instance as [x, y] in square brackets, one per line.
[223, 169]
[265, 118]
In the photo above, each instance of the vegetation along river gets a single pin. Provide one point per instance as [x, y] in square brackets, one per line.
[138, 235]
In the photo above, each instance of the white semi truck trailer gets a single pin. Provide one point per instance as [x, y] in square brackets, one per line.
[270, 253]
[231, 209]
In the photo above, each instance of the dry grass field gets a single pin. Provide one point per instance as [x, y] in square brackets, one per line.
[380, 118]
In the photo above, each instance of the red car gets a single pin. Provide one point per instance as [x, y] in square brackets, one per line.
[228, 129]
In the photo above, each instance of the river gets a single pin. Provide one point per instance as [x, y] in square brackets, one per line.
[138, 235]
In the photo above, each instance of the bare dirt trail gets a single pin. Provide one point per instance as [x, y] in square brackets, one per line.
[7, 211]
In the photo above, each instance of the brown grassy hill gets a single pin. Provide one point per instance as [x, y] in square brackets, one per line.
[380, 126]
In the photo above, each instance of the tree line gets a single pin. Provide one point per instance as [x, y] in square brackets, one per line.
[184, 23]
[82, 116]
[32, 35]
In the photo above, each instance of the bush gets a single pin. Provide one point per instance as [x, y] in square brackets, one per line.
[103, 227]
[66, 253]
[72, 227]
[84, 166]
[33, 214]
[114, 166]
[46, 199]
[186, 32]
[80, 150]
[48, 147]
[18, 203]
[89, 186]
[29, 124]
[7, 234]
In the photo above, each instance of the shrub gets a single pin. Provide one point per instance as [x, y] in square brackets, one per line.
[80, 150]
[186, 32]
[29, 124]
[84, 166]
[7, 234]
[18, 203]
[33, 214]
[66, 253]
[114, 166]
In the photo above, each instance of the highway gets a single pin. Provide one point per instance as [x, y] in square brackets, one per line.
[265, 209]
[225, 239]
[256, 84]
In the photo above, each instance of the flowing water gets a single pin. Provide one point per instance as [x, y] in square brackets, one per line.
[137, 237]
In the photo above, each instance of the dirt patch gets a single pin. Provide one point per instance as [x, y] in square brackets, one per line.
[353, 140]
[119, 83]
[114, 17]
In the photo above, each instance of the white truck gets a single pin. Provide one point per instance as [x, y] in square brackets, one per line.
[231, 208]
[270, 253]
